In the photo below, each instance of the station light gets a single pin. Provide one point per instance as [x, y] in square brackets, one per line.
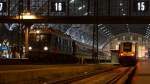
[122, 9]
[86, 13]
[30, 48]
[26, 15]
[45, 48]
[38, 31]
[121, 4]
[81, 7]
[72, 1]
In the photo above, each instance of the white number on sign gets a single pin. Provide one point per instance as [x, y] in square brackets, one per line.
[141, 6]
[58, 6]
[1, 6]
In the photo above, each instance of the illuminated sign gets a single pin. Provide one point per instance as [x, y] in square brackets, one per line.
[142, 6]
[3, 6]
[4, 48]
[58, 6]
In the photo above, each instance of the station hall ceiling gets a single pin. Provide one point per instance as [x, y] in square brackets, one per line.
[82, 32]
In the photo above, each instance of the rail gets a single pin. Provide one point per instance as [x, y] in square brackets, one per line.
[118, 77]
[81, 76]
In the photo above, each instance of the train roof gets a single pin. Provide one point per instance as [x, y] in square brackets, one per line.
[49, 31]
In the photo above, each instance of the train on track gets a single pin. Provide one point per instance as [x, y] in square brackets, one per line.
[47, 45]
[128, 53]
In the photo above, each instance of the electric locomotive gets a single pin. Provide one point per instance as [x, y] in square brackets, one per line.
[128, 53]
[47, 45]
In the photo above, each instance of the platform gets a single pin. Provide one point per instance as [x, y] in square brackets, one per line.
[35, 74]
[142, 74]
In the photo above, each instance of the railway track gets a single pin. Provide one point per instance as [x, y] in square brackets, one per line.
[116, 77]
[110, 76]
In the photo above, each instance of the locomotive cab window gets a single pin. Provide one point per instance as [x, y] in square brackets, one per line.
[127, 47]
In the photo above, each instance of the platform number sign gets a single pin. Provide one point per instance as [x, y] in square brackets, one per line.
[142, 6]
[58, 6]
[2, 6]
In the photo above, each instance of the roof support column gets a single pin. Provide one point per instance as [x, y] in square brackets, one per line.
[28, 5]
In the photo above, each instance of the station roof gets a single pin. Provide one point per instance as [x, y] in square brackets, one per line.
[86, 14]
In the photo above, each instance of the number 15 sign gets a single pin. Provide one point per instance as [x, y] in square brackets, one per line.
[142, 6]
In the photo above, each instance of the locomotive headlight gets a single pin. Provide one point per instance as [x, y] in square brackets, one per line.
[45, 48]
[121, 54]
[30, 48]
[132, 54]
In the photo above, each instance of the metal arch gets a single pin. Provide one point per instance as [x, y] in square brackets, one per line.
[83, 35]
[111, 39]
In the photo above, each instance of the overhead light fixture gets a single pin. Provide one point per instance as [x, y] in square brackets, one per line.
[122, 9]
[26, 15]
[38, 31]
[121, 4]
[71, 1]
[86, 13]
[81, 7]
[124, 14]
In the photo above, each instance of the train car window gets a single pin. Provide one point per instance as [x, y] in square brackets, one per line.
[37, 38]
[49, 39]
[62, 44]
[52, 41]
[56, 41]
[59, 42]
[127, 47]
[67, 45]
